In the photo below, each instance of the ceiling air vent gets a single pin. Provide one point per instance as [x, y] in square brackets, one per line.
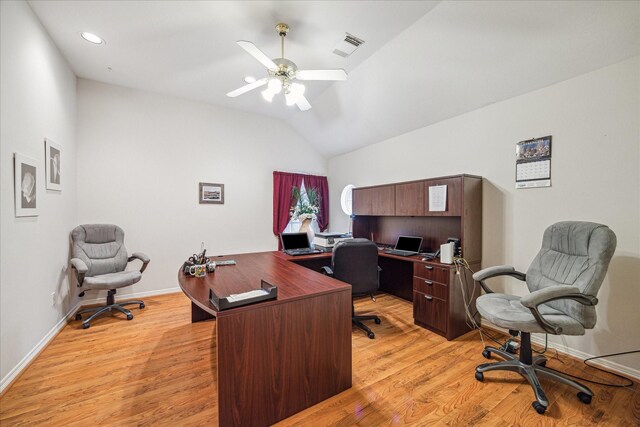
[347, 46]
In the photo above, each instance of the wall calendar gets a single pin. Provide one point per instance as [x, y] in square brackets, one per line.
[533, 163]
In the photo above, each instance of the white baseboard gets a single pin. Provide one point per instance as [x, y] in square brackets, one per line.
[29, 357]
[609, 365]
[101, 299]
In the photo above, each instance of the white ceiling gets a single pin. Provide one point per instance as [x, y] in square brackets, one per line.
[422, 62]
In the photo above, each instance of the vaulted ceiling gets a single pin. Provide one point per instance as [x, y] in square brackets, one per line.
[422, 61]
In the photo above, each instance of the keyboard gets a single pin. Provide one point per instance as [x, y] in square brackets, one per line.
[308, 251]
[400, 253]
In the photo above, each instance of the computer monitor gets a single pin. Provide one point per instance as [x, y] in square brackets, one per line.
[294, 241]
[409, 243]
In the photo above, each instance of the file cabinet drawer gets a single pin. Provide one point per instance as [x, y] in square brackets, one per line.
[430, 311]
[432, 272]
[431, 287]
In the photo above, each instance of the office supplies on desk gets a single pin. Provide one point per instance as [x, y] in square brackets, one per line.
[297, 244]
[226, 262]
[266, 292]
[406, 246]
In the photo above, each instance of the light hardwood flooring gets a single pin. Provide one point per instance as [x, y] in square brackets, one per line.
[159, 369]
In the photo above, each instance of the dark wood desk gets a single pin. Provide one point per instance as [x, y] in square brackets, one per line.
[433, 287]
[278, 357]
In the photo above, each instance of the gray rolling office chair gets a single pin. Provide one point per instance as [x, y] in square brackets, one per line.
[355, 261]
[99, 261]
[563, 281]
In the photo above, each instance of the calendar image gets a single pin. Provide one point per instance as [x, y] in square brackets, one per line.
[533, 163]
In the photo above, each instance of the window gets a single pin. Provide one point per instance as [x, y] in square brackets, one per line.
[346, 199]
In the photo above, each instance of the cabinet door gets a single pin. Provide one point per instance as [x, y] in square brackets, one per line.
[410, 199]
[454, 196]
[430, 311]
[374, 200]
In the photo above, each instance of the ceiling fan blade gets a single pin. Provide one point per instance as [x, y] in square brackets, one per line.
[302, 103]
[338, 74]
[247, 88]
[257, 53]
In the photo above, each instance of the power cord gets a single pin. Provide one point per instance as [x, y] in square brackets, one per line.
[622, 377]
[461, 265]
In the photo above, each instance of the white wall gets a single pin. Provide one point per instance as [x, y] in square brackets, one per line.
[38, 101]
[141, 157]
[595, 123]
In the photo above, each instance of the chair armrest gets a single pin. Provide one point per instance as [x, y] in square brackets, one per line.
[81, 269]
[552, 293]
[498, 270]
[327, 271]
[142, 257]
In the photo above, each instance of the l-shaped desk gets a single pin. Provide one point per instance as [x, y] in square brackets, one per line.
[279, 357]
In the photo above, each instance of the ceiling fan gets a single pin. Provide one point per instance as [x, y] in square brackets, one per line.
[283, 74]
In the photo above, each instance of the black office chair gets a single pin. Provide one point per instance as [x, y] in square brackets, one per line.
[355, 261]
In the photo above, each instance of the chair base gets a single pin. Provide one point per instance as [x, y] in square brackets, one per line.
[357, 320]
[531, 368]
[110, 307]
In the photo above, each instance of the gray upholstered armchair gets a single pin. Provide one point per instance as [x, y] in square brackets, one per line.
[99, 261]
[563, 281]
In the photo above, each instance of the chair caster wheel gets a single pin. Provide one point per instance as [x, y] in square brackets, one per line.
[540, 408]
[486, 354]
[377, 321]
[78, 317]
[142, 305]
[480, 376]
[85, 326]
[371, 335]
[584, 397]
[129, 316]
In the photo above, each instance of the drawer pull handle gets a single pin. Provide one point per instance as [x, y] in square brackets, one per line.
[428, 267]
[428, 282]
[429, 297]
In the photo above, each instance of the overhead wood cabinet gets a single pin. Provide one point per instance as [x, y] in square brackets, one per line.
[378, 200]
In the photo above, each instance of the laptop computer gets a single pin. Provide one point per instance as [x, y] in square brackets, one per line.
[297, 244]
[406, 246]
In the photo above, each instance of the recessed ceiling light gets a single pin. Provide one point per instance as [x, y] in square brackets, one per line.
[92, 38]
[249, 79]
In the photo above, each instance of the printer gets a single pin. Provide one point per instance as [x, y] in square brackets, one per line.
[328, 240]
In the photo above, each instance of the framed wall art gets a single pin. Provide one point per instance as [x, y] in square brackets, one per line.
[52, 162]
[26, 185]
[211, 193]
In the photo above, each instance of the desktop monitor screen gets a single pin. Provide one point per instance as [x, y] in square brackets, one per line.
[409, 243]
[294, 241]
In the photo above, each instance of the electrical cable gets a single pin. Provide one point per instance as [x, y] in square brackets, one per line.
[622, 377]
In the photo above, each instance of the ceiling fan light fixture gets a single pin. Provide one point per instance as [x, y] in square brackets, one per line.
[268, 95]
[275, 85]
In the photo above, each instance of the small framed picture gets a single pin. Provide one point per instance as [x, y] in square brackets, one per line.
[211, 193]
[52, 162]
[26, 185]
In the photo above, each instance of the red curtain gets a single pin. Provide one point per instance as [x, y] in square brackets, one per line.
[322, 185]
[283, 182]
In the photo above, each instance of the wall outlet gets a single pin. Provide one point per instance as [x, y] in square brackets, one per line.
[53, 298]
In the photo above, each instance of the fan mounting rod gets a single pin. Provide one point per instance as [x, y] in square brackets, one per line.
[282, 29]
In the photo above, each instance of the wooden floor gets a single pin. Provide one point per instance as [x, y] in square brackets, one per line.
[159, 369]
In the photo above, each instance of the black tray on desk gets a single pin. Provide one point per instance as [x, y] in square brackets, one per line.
[223, 303]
